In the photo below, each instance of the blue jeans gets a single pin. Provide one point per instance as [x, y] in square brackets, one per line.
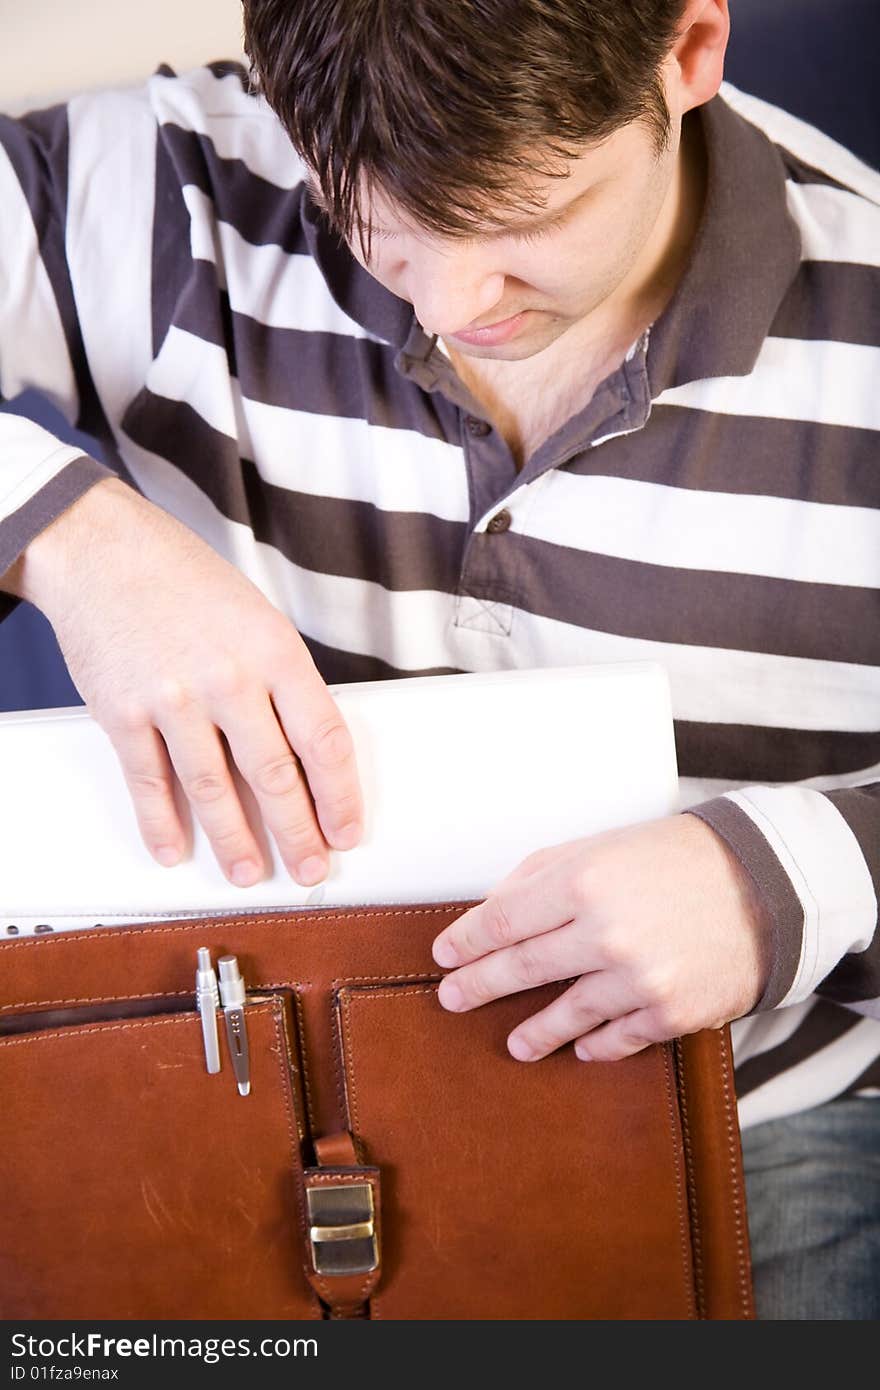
[813, 1192]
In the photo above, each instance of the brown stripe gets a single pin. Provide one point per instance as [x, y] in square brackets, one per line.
[262, 212]
[19, 529]
[823, 1025]
[742, 454]
[777, 895]
[754, 753]
[357, 540]
[738, 612]
[321, 373]
[338, 667]
[831, 301]
[799, 171]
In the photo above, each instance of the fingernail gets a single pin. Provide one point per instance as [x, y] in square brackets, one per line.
[347, 836]
[520, 1049]
[444, 953]
[581, 1053]
[245, 873]
[168, 855]
[311, 871]
[450, 996]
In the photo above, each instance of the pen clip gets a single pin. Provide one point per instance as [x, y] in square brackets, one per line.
[232, 995]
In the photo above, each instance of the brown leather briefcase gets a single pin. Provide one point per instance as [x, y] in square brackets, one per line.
[391, 1160]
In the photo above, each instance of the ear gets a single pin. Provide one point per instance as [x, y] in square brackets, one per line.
[695, 65]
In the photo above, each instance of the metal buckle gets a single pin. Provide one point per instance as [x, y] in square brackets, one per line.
[342, 1233]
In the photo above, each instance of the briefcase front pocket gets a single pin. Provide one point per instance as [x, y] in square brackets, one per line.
[138, 1185]
[601, 1229]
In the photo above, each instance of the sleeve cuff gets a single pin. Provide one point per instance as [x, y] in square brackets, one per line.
[811, 875]
[45, 505]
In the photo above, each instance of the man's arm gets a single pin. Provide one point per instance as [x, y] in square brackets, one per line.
[185, 664]
[40, 347]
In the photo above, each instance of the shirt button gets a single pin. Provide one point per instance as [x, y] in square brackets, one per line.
[476, 427]
[499, 522]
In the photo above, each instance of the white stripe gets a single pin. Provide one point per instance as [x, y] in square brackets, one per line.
[238, 126]
[275, 287]
[795, 379]
[109, 238]
[30, 457]
[751, 1036]
[737, 534]
[193, 370]
[820, 1077]
[826, 867]
[834, 225]
[395, 469]
[204, 232]
[34, 352]
[713, 684]
[324, 455]
[806, 142]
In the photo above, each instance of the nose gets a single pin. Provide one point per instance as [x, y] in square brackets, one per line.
[450, 293]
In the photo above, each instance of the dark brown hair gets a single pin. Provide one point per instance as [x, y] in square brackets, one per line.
[446, 104]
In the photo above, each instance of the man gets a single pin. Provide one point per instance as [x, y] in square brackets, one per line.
[508, 343]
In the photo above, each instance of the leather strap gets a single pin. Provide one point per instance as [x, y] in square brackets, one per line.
[344, 1219]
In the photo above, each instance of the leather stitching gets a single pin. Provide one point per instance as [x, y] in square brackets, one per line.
[696, 1235]
[681, 1205]
[314, 918]
[744, 1277]
[297, 1002]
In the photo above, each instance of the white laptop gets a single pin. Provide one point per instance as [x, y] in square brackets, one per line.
[462, 776]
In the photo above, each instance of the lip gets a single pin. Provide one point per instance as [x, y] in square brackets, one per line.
[495, 333]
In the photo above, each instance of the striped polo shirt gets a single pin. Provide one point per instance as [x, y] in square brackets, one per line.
[166, 280]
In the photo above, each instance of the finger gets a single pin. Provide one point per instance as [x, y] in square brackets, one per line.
[320, 737]
[199, 759]
[149, 776]
[556, 955]
[621, 1037]
[587, 1004]
[274, 773]
[530, 906]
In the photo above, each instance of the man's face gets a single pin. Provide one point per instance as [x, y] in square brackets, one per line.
[507, 295]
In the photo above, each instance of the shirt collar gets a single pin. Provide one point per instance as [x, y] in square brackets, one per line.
[745, 255]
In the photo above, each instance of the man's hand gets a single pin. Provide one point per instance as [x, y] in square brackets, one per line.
[173, 649]
[659, 922]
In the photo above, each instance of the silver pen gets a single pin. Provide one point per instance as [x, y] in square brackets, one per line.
[233, 996]
[207, 1003]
